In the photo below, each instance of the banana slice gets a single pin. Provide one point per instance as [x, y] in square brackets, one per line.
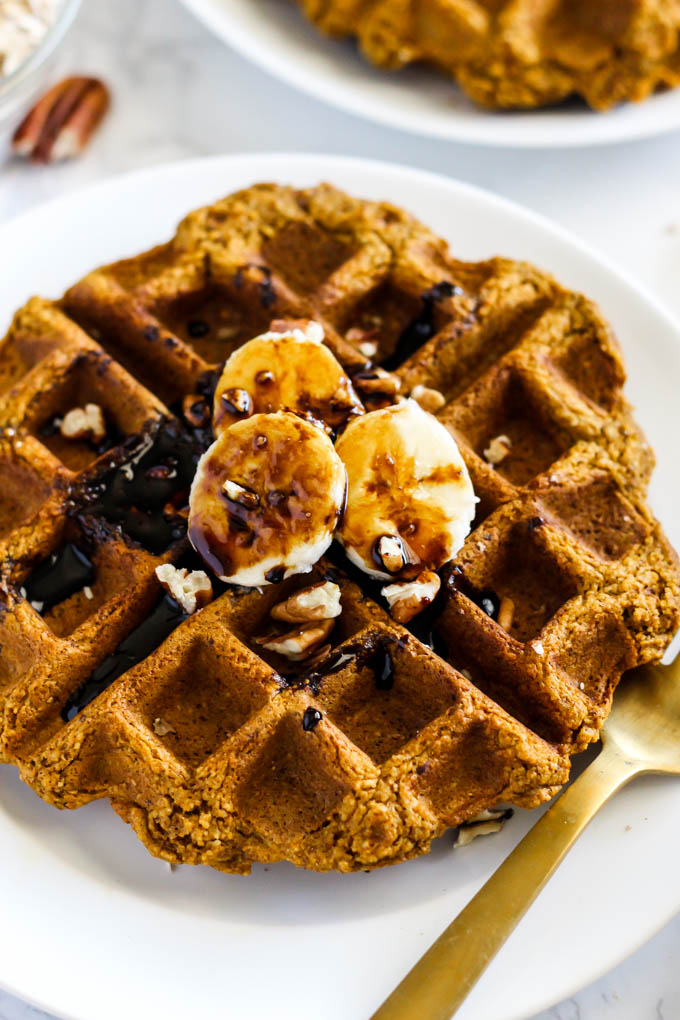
[410, 500]
[266, 499]
[289, 370]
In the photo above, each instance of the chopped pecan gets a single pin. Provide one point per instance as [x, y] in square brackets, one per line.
[390, 553]
[319, 601]
[377, 388]
[192, 590]
[236, 493]
[483, 824]
[162, 728]
[506, 612]
[408, 598]
[299, 643]
[497, 450]
[310, 329]
[84, 423]
[237, 401]
[365, 340]
[429, 399]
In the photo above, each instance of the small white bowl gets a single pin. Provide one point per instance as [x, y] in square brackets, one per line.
[23, 85]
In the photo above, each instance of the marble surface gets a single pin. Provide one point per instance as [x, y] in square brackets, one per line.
[179, 93]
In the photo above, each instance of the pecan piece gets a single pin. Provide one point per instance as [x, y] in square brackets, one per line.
[430, 400]
[191, 589]
[377, 388]
[408, 598]
[319, 601]
[63, 121]
[483, 824]
[84, 423]
[300, 642]
[506, 612]
[236, 493]
[497, 450]
[390, 553]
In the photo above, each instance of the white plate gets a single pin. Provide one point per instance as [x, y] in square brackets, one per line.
[92, 924]
[275, 35]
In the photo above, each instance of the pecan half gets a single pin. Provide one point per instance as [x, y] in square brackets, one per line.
[63, 121]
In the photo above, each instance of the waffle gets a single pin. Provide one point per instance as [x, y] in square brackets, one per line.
[216, 750]
[520, 54]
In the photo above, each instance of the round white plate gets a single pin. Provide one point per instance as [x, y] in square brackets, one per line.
[275, 35]
[95, 928]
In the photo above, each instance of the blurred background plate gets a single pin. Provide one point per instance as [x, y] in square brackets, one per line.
[275, 35]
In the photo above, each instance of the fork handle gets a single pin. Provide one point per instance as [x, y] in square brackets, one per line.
[441, 980]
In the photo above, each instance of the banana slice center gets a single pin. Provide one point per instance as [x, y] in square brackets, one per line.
[410, 500]
[292, 371]
[266, 499]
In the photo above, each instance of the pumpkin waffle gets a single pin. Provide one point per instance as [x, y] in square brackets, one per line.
[520, 54]
[221, 751]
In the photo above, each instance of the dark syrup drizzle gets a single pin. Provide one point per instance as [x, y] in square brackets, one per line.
[132, 650]
[153, 470]
[311, 719]
[62, 575]
[383, 668]
[423, 327]
[424, 627]
[199, 422]
[487, 599]
[369, 586]
[275, 575]
[374, 653]
[197, 328]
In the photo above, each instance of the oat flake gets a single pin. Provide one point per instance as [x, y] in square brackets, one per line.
[23, 23]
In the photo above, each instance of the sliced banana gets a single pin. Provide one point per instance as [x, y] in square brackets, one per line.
[266, 499]
[410, 500]
[289, 370]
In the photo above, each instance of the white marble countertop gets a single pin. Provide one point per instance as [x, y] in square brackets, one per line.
[180, 93]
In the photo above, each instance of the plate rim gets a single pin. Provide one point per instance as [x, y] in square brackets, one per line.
[227, 27]
[308, 162]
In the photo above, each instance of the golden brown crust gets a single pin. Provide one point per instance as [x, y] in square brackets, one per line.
[202, 747]
[522, 54]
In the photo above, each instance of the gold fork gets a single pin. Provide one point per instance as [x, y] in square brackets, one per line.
[641, 735]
